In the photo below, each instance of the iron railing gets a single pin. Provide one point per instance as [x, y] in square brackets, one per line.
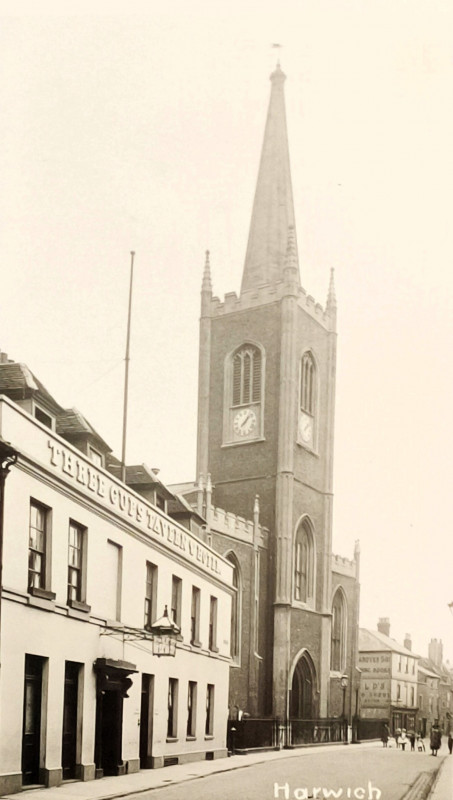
[272, 733]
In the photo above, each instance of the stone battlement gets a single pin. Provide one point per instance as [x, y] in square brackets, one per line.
[237, 527]
[344, 566]
[266, 294]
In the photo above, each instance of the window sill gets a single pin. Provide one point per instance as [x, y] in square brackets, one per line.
[245, 441]
[190, 739]
[43, 594]
[78, 605]
[213, 649]
[209, 737]
[171, 739]
[308, 448]
[196, 643]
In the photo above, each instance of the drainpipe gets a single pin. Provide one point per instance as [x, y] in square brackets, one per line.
[8, 457]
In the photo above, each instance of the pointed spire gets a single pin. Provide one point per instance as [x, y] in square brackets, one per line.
[331, 298]
[273, 208]
[206, 285]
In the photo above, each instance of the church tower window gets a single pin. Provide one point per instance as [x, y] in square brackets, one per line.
[338, 636]
[308, 401]
[244, 398]
[304, 557]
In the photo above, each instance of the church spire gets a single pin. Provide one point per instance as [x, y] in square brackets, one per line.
[273, 209]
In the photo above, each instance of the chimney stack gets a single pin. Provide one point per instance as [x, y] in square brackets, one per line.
[383, 626]
[408, 641]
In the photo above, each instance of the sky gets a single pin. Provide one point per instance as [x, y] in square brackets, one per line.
[134, 126]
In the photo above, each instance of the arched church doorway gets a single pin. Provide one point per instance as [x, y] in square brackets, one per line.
[303, 689]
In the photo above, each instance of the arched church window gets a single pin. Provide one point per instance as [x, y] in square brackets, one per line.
[304, 557]
[338, 633]
[235, 632]
[307, 400]
[244, 394]
[247, 376]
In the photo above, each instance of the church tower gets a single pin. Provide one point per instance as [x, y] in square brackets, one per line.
[265, 425]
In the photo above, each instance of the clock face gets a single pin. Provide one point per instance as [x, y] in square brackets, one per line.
[244, 421]
[306, 428]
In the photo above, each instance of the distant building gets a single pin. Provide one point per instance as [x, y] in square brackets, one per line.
[388, 686]
[89, 566]
[436, 689]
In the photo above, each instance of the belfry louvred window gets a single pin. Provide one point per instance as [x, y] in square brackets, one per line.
[247, 376]
[307, 384]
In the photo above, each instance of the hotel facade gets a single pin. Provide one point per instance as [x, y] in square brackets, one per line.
[89, 566]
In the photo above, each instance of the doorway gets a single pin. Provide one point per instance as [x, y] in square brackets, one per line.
[31, 730]
[70, 710]
[302, 689]
[146, 721]
[109, 726]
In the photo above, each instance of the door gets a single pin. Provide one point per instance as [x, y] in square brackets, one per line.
[146, 721]
[302, 690]
[70, 704]
[109, 723]
[31, 731]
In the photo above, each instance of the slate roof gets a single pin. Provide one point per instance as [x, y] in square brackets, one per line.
[374, 641]
[72, 423]
[18, 382]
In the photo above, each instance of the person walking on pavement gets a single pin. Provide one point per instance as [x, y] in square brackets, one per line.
[397, 736]
[412, 740]
[450, 742]
[435, 739]
[420, 743]
[385, 734]
[403, 739]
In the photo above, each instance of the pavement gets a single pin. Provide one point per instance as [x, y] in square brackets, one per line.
[443, 785]
[147, 780]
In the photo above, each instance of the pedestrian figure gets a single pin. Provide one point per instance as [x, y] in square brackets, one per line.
[450, 742]
[435, 739]
[403, 739]
[420, 743]
[385, 734]
[397, 736]
[412, 740]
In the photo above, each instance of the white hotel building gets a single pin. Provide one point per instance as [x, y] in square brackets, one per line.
[88, 565]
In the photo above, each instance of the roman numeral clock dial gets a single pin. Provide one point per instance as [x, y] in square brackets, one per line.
[245, 422]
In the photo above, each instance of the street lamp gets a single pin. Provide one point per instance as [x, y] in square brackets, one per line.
[344, 685]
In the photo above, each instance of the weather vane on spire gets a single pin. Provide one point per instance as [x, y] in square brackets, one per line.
[277, 47]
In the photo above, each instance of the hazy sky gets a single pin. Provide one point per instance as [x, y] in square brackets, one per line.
[141, 129]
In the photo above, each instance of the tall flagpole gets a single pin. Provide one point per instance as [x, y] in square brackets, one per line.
[126, 374]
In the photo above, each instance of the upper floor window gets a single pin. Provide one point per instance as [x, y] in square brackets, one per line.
[150, 594]
[176, 587]
[307, 400]
[39, 551]
[76, 564]
[338, 633]
[43, 417]
[304, 556]
[213, 624]
[195, 617]
[96, 457]
[244, 394]
[37, 547]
